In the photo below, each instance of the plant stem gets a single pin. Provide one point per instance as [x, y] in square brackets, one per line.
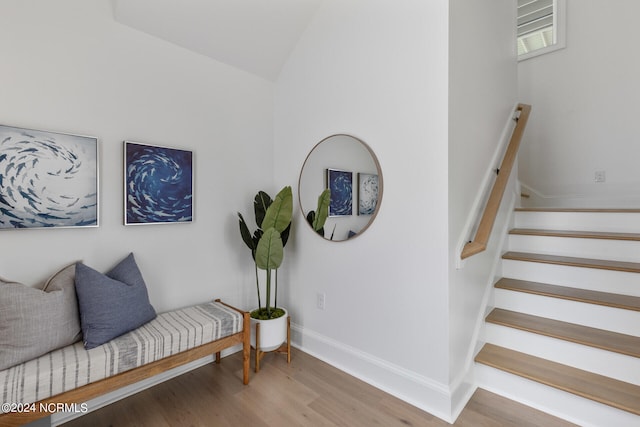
[268, 292]
[258, 287]
[275, 301]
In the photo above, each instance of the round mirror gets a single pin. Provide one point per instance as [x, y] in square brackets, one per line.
[350, 170]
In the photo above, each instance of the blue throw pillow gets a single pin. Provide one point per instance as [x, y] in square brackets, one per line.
[112, 304]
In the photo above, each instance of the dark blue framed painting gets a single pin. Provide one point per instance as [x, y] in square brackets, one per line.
[341, 185]
[158, 184]
[47, 179]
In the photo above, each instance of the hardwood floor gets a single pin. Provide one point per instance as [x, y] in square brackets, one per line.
[308, 392]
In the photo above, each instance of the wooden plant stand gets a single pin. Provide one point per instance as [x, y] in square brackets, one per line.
[284, 348]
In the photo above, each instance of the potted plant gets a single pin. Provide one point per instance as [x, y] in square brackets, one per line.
[273, 218]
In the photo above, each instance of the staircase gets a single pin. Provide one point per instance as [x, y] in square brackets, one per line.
[564, 331]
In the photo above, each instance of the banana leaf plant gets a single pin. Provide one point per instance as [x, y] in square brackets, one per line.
[273, 218]
[318, 217]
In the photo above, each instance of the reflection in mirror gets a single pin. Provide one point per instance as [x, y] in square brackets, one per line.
[350, 169]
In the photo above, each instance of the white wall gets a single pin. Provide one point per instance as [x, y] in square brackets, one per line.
[377, 70]
[482, 98]
[584, 115]
[68, 67]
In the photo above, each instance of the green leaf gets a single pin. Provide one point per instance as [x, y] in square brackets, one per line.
[261, 203]
[256, 237]
[322, 211]
[245, 233]
[269, 253]
[285, 235]
[279, 213]
[311, 217]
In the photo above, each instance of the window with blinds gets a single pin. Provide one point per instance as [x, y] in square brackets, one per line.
[538, 26]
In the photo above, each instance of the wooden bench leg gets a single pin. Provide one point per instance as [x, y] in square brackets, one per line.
[258, 352]
[246, 343]
[246, 347]
[289, 340]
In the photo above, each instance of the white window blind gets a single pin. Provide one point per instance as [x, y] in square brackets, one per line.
[535, 25]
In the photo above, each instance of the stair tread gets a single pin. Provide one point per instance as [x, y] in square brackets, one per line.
[632, 267]
[598, 338]
[596, 210]
[615, 393]
[626, 302]
[576, 234]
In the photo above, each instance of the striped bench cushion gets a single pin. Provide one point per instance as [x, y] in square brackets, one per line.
[72, 366]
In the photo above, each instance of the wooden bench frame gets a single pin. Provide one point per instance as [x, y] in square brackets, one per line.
[98, 388]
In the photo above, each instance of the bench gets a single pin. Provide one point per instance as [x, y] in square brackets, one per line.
[67, 377]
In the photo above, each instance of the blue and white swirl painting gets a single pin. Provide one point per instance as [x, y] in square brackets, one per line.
[341, 185]
[159, 184]
[367, 193]
[47, 179]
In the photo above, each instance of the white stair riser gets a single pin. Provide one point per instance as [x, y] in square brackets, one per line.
[603, 362]
[615, 250]
[595, 316]
[618, 282]
[614, 365]
[553, 401]
[584, 221]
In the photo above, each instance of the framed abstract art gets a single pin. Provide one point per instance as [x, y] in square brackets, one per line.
[47, 179]
[341, 185]
[158, 184]
[367, 193]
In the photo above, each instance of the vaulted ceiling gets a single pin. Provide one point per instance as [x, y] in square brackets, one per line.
[254, 35]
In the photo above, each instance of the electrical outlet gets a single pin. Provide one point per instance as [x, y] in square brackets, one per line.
[320, 300]
[600, 176]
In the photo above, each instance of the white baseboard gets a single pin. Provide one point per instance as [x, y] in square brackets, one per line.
[413, 388]
[622, 196]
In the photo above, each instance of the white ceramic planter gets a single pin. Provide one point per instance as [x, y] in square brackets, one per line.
[273, 332]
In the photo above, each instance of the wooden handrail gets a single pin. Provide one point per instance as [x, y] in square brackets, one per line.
[479, 242]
